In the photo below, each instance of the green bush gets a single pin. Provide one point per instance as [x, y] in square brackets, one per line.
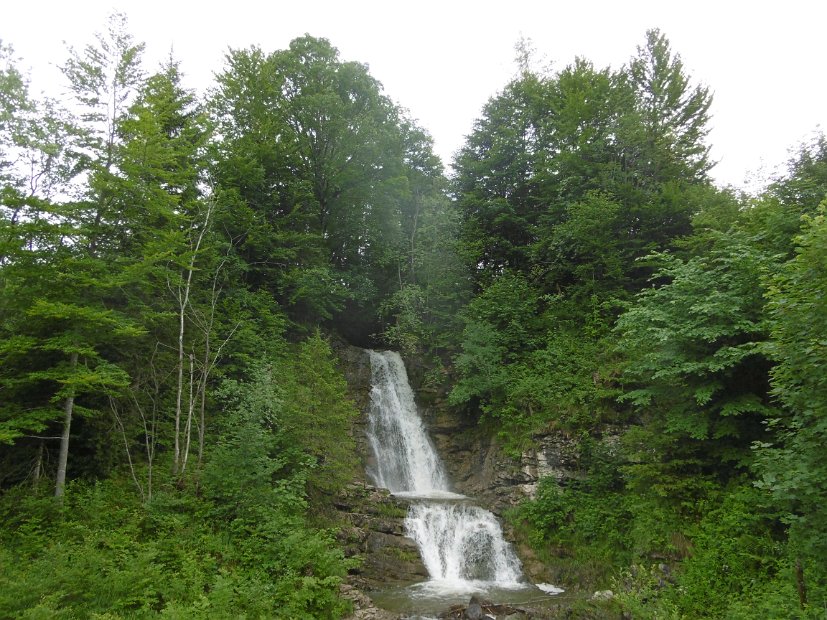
[238, 546]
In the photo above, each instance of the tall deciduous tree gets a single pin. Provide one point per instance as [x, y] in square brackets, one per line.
[793, 466]
[635, 136]
[496, 176]
[324, 179]
[179, 261]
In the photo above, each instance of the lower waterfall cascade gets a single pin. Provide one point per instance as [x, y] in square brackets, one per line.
[461, 544]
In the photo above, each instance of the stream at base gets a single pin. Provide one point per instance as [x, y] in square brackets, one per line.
[429, 599]
[461, 544]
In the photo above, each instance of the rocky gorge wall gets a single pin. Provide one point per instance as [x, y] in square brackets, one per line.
[476, 464]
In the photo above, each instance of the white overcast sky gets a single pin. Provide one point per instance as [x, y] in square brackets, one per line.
[765, 61]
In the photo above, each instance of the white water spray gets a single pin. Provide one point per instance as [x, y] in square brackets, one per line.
[405, 458]
[461, 544]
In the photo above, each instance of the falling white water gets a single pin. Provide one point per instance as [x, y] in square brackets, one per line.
[405, 459]
[461, 544]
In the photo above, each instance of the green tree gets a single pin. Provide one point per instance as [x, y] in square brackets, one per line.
[103, 78]
[58, 357]
[14, 104]
[494, 180]
[317, 415]
[792, 465]
[550, 143]
[500, 324]
[694, 346]
[33, 140]
[805, 184]
[55, 295]
[675, 115]
[325, 179]
[167, 225]
[586, 248]
[696, 377]
[585, 113]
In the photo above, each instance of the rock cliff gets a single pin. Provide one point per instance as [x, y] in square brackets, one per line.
[477, 465]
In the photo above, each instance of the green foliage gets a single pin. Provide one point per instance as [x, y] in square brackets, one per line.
[736, 567]
[257, 479]
[104, 555]
[405, 307]
[422, 315]
[586, 246]
[805, 184]
[253, 453]
[481, 365]
[493, 180]
[56, 310]
[318, 415]
[693, 342]
[323, 184]
[146, 259]
[732, 547]
[528, 371]
[573, 175]
[242, 546]
[589, 523]
[582, 528]
[675, 117]
[290, 422]
[559, 385]
[566, 181]
[641, 590]
[498, 325]
[793, 466]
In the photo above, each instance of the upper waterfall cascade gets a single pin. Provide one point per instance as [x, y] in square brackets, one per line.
[406, 461]
[461, 544]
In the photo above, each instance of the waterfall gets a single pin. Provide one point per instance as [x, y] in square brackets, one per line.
[461, 544]
[406, 461]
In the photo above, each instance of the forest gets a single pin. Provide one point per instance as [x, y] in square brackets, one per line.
[177, 269]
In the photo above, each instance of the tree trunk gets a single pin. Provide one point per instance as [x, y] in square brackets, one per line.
[799, 581]
[190, 410]
[183, 303]
[63, 457]
[203, 395]
[150, 425]
[38, 466]
[176, 457]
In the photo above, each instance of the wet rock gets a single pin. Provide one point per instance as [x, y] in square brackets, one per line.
[479, 609]
[363, 606]
[474, 610]
[355, 365]
[374, 532]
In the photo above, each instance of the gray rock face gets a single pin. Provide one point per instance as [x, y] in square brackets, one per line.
[376, 534]
[554, 455]
[475, 461]
[479, 467]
